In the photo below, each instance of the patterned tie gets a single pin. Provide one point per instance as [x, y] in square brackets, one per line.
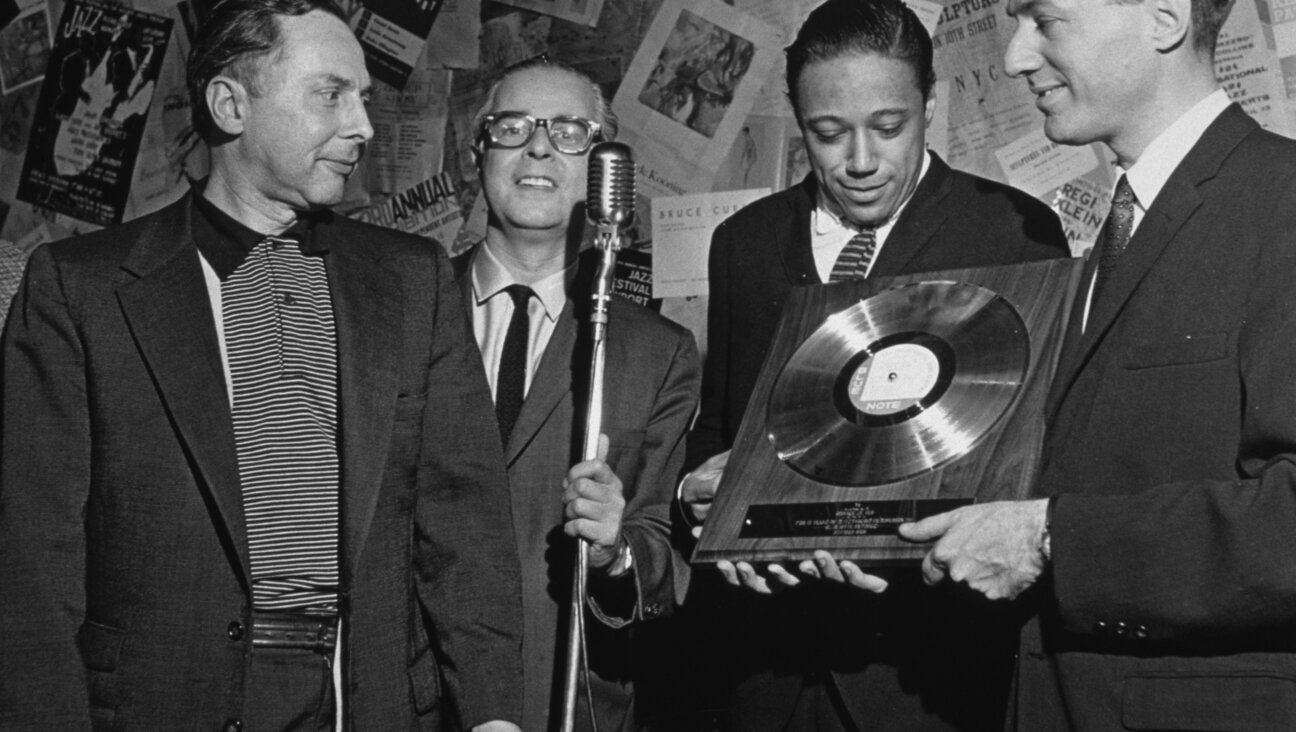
[853, 262]
[510, 386]
[1115, 232]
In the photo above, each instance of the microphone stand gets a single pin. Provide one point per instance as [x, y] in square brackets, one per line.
[608, 240]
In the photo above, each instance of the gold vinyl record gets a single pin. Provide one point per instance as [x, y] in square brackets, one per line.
[899, 384]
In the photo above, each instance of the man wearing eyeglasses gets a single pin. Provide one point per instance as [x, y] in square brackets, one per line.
[527, 290]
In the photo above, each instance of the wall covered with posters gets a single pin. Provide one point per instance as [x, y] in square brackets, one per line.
[95, 120]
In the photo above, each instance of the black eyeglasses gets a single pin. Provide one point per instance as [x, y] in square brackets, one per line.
[569, 135]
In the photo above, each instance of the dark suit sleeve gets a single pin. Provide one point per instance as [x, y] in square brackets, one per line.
[467, 561]
[44, 485]
[660, 573]
[1042, 234]
[707, 436]
[1205, 559]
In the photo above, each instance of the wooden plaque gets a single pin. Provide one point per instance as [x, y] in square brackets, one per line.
[886, 400]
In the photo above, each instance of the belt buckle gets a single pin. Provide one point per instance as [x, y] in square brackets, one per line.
[294, 631]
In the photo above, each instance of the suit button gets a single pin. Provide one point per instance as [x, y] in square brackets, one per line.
[652, 610]
[235, 631]
[232, 725]
[1140, 631]
[1121, 630]
[1100, 628]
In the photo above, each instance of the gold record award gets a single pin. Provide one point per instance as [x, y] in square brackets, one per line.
[885, 401]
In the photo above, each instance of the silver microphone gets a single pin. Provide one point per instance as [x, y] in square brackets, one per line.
[610, 200]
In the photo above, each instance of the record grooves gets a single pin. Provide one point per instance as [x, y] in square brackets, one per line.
[898, 384]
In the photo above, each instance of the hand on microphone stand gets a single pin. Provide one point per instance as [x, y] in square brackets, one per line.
[593, 505]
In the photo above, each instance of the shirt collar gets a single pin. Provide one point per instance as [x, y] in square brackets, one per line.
[826, 222]
[490, 277]
[225, 242]
[1148, 175]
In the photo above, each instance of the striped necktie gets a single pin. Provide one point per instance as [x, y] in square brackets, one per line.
[854, 261]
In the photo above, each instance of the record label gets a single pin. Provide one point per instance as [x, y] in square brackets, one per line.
[894, 379]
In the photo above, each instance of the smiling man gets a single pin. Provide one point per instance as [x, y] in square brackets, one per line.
[1163, 563]
[246, 479]
[527, 288]
[877, 204]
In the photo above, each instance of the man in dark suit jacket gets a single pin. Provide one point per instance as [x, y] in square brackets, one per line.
[860, 78]
[1164, 576]
[535, 184]
[135, 576]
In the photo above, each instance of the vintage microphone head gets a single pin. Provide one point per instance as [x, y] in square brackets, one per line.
[610, 199]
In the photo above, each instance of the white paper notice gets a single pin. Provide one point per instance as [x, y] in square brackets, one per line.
[682, 227]
[928, 12]
[1037, 165]
[685, 97]
[1082, 205]
[938, 130]
[581, 12]
[1248, 68]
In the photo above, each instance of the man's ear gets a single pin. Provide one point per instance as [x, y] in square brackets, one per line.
[1171, 24]
[479, 152]
[227, 100]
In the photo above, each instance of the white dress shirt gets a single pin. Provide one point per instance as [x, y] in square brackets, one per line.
[829, 234]
[493, 309]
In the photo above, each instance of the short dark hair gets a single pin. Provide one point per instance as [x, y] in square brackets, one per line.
[1208, 18]
[841, 27]
[233, 36]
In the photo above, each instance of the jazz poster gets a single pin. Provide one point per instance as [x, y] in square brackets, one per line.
[93, 105]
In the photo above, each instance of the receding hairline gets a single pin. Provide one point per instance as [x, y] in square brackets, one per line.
[253, 66]
[578, 82]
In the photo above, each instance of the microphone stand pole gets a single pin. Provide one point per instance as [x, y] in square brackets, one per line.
[608, 240]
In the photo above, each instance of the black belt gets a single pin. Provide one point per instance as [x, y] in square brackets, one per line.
[291, 630]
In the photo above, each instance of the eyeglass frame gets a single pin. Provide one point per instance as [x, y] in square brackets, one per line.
[596, 130]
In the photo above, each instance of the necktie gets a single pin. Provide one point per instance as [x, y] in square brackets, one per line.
[853, 262]
[510, 384]
[1115, 232]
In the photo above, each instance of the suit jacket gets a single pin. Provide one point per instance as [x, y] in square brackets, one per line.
[651, 379]
[1172, 445]
[889, 656]
[126, 573]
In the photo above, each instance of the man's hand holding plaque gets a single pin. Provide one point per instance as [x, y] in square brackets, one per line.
[697, 491]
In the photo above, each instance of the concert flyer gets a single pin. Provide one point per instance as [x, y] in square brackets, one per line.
[92, 109]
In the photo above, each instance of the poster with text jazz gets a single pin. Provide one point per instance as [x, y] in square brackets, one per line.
[90, 117]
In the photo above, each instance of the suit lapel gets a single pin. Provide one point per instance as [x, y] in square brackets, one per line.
[369, 318]
[795, 250]
[1178, 200]
[554, 376]
[922, 217]
[169, 314]
[1072, 338]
